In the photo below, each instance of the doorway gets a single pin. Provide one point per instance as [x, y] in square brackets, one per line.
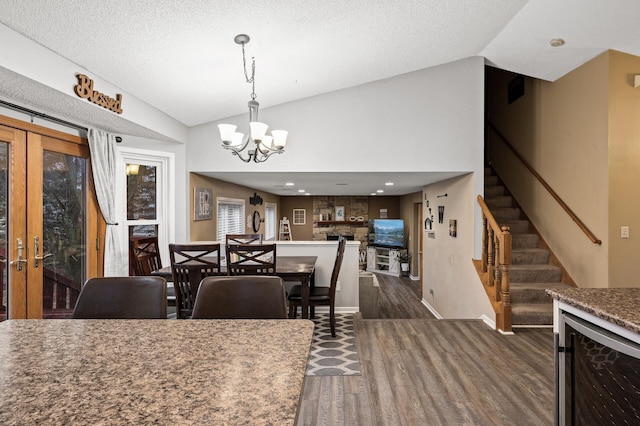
[49, 221]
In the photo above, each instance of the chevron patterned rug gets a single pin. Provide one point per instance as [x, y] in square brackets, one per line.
[333, 356]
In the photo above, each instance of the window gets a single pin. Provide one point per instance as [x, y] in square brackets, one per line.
[145, 179]
[230, 217]
[270, 220]
[299, 217]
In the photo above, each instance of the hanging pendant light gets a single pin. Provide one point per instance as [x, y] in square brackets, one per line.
[258, 145]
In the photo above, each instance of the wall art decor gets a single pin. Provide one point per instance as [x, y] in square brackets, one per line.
[339, 213]
[453, 228]
[202, 204]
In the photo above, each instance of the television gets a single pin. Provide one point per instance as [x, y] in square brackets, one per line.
[388, 232]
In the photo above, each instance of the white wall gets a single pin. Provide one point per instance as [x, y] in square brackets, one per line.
[451, 286]
[428, 120]
[347, 296]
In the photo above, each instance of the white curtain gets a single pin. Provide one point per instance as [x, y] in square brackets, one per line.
[103, 163]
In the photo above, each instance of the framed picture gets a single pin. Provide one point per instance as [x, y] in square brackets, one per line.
[453, 228]
[299, 217]
[202, 204]
[339, 212]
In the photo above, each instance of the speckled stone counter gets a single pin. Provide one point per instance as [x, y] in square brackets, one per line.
[620, 306]
[142, 372]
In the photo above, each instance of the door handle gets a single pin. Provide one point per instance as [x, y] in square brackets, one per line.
[20, 259]
[36, 248]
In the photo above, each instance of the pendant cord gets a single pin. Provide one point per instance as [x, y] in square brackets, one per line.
[251, 80]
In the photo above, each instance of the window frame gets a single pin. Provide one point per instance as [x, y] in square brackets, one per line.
[165, 198]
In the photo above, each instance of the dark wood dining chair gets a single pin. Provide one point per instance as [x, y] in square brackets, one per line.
[122, 298]
[190, 263]
[321, 296]
[244, 297]
[244, 239]
[144, 256]
[251, 259]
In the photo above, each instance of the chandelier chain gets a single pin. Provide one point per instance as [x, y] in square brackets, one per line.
[251, 80]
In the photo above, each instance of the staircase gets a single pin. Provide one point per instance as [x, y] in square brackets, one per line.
[531, 271]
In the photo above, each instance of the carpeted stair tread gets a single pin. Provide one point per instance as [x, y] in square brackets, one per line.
[532, 314]
[520, 241]
[499, 201]
[532, 292]
[493, 191]
[529, 256]
[517, 226]
[535, 273]
[504, 214]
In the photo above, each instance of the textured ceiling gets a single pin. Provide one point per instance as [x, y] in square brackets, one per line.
[179, 56]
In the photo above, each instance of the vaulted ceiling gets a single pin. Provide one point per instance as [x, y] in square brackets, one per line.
[180, 58]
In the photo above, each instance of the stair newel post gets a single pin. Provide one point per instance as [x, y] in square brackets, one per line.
[504, 285]
[485, 244]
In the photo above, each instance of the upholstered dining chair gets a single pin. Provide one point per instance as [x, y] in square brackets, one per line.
[122, 298]
[251, 259]
[190, 263]
[243, 297]
[244, 239]
[321, 296]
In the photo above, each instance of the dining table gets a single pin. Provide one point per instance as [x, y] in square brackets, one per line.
[290, 268]
[139, 372]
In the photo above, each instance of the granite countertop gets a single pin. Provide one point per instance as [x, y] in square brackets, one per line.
[135, 372]
[616, 305]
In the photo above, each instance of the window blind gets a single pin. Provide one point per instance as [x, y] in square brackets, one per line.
[230, 218]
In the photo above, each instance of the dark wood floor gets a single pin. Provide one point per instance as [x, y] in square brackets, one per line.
[417, 370]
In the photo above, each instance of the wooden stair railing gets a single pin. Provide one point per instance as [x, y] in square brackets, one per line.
[544, 183]
[496, 260]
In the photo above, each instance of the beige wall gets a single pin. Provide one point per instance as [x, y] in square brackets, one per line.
[392, 204]
[298, 232]
[580, 134]
[207, 230]
[624, 170]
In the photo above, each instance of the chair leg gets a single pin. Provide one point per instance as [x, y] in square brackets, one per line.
[293, 311]
[332, 320]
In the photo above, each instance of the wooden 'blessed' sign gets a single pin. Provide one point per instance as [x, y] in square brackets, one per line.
[84, 89]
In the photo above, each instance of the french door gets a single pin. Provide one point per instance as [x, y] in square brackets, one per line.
[49, 221]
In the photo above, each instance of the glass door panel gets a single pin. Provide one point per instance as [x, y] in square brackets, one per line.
[64, 238]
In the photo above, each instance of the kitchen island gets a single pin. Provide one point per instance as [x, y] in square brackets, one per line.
[134, 372]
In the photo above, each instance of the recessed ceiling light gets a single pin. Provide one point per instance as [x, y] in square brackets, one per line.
[342, 184]
[556, 42]
[289, 183]
[301, 190]
[389, 183]
[373, 193]
[307, 194]
[380, 191]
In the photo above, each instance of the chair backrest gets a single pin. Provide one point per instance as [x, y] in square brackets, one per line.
[144, 256]
[190, 263]
[249, 297]
[251, 259]
[342, 242]
[122, 298]
[244, 239]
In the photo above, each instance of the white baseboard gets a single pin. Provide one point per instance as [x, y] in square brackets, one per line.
[431, 309]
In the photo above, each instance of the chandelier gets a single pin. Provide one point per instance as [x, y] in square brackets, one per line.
[260, 145]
